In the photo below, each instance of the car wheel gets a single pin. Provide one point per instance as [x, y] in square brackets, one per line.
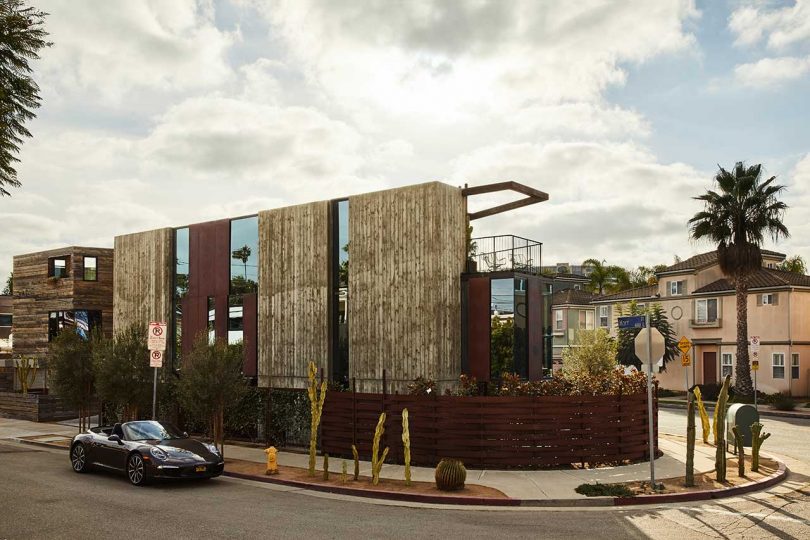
[78, 458]
[136, 470]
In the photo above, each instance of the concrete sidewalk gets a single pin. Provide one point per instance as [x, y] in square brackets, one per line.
[764, 410]
[555, 484]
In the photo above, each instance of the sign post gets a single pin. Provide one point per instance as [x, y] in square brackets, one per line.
[754, 342]
[156, 342]
[684, 345]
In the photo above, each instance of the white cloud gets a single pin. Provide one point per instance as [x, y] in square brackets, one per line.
[772, 72]
[779, 26]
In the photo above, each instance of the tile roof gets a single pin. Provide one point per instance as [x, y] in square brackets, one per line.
[572, 296]
[764, 278]
[707, 259]
[648, 291]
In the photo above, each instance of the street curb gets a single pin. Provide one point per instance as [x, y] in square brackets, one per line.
[638, 500]
[762, 412]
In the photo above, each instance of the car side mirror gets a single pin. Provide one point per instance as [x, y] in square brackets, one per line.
[115, 438]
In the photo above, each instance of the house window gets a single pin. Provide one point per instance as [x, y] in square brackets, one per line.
[585, 320]
[212, 318]
[235, 320]
[726, 365]
[604, 321]
[794, 366]
[706, 310]
[5, 319]
[58, 267]
[558, 319]
[769, 299]
[676, 288]
[778, 365]
[245, 255]
[83, 321]
[90, 267]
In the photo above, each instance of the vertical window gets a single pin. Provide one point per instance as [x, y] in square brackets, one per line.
[212, 319]
[89, 266]
[706, 310]
[181, 274]
[726, 364]
[794, 366]
[778, 365]
[245, 255]
[676, 288]
[558, 319]
[339, 262]
[502, 331]
[58, 267]
[585, 319]
[604, 316]
[235, 320]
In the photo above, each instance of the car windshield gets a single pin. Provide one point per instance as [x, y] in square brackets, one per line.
[150, 430]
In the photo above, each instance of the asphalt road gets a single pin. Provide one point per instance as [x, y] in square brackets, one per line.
[41, 497]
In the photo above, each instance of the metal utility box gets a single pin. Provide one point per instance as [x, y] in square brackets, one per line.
[741, 415]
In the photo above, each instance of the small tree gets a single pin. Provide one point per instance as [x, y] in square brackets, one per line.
[593, 353]
[502, 346]
[123, 375]
[72, 374]
[9, 288]
[212, 381]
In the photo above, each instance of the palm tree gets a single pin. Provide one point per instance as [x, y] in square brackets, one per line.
[794, 264]
[604, 276]
[738, 217]
[242, 254]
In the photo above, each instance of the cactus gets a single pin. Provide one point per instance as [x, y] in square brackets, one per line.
[757, 438]
[406, 445]
[704, 417]
[326, 466]
[356, 463]
[450, 475]
[740, 448]
[376, 459]
[344, 477]
[316, 400]
[720, 436]
[690, 441]
[26, 372]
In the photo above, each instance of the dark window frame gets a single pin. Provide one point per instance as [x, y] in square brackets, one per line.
[52, 266]
[84, 268]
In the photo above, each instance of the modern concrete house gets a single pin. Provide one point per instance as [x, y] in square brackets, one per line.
[371, 286]
[701, 304]
[6, 318]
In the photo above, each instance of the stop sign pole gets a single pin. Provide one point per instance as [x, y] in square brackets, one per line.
[650, 399]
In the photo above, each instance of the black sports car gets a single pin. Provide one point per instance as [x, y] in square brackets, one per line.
[145, 450]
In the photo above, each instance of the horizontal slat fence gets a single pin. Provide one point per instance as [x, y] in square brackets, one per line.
[35, 407]
[492, 432]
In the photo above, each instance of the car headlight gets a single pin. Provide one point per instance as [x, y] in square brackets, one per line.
[212, 448]
[157, 453]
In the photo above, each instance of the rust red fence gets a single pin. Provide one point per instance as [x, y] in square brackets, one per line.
[494, 432]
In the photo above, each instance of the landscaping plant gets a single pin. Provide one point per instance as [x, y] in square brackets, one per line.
[690, 442]
[450, 475]
[356, 463]
[376, 459]
[604, 490]
[326, 466]
[593, 353]
[316, 400]
[344, 477]
[71, 373]
[720, 436]
[757, 438]
[406, 445]
[704, 416]
[123, 377]
[740, 448]
[26, 370]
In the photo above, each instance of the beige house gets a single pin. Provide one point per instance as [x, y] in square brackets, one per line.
[701, 305]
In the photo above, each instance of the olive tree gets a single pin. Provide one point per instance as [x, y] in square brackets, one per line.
[72, 374]
[593, 353]
[123, 375]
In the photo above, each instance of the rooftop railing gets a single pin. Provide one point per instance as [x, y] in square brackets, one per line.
[504, 253]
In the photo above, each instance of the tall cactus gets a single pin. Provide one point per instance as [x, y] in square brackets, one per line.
[690, 441]
[720, 435]
[356, 463]
[376, 459]
[316, 400]
[704, 416]
[757, 438]
[740, 448]
[326, 466]
[406, 446]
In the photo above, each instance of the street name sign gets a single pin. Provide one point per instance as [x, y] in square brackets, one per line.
[635, 321]
[156, 340]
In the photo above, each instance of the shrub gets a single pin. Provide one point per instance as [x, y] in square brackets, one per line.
[422, 387]
[602, 490]
[783, 402]
[71, 372]
[593, 353]
[123, 375]
[467, 386]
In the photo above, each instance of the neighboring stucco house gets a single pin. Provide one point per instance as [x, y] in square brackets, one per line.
[701, 305]
[571, 311]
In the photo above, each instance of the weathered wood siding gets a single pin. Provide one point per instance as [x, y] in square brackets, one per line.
[293, 290]
[144, 268]
[36, 295]
[406, 256]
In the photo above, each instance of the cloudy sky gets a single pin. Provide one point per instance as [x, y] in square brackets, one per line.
[163, 113]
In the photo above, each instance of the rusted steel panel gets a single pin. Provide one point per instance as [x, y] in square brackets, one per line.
[249, 310]
[479, 328]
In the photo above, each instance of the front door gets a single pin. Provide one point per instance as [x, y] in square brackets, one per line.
[709, 368]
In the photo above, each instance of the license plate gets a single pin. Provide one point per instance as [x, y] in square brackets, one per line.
[200, 468]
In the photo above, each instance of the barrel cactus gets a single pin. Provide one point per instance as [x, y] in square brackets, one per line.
[450, 475]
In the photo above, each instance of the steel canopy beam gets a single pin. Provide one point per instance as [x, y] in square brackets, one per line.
[534, 196]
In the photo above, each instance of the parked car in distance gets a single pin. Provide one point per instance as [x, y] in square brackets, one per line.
[145, 450]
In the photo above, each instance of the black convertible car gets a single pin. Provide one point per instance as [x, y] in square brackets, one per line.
[145, 450]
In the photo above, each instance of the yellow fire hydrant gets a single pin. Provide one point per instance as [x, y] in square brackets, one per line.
[272, 460]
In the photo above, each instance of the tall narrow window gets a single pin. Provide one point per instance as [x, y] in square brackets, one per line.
[726, 364]
[778, 365]
[521, 343]
[794, 366]
[212, 319]
[245, 255]
[340, 291]
[181, 275]
[604, 316]
[558, 319]
[90, 269]
[235, 320]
